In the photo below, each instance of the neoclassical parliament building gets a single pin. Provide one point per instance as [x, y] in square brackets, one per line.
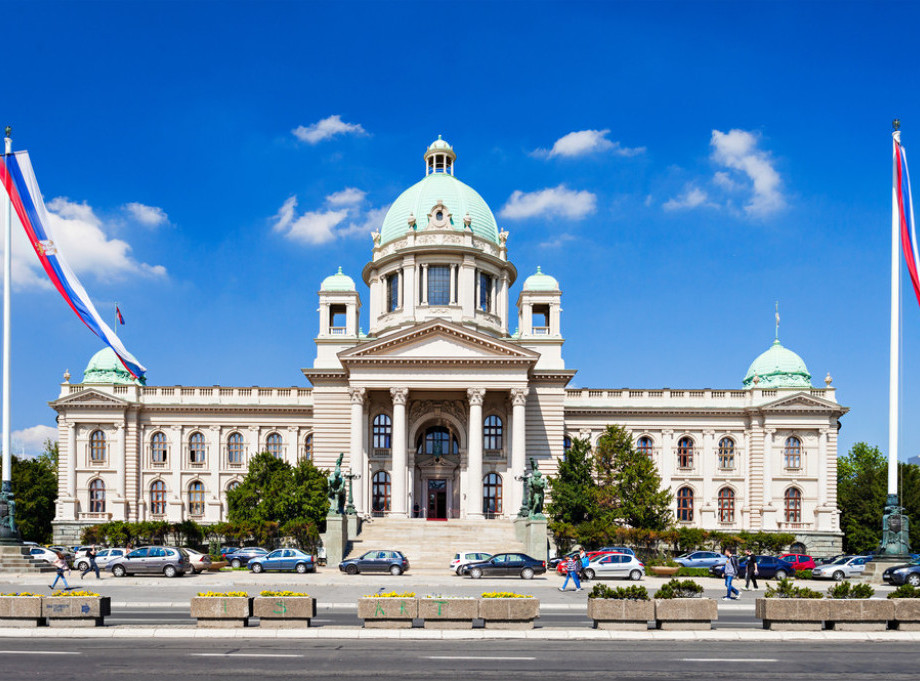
[444, 401]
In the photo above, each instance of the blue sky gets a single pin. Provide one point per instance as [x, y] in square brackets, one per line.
[677, 166]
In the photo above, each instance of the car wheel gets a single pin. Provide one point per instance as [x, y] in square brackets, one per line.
[589, 574]
[170, 571]
[195, 572]
[459, 570]
[527, 573]
[351, 569]
[395, 570]
[781, 574]
[838, 576]
[235, 563]
[81, 566]
[913, 579]
[257, 567]
[635, 575]
[119, 571]
[476, 573]
[301, 568]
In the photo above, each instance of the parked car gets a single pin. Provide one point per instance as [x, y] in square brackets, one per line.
[68, 553]
[466, 557]
[903, 574]
[224, 550]
[41, 553]
[393, 562]
[701, 559]
[104, 558]
[200, 562]
[768, 567]
[842, 568]
[615, 565]
[241, 557]
[166, 560]
[554, 563]
[506, 565]
[617, 549]
[799, 561]
[561, 569]
[284, 560]
[827, 560]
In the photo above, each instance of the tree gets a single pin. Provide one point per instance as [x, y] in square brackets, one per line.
[572, 495]
[629, 487]
[862, 481]
[35, 488]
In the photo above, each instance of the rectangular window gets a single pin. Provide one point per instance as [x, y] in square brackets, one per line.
[540, 320]
[485, 292]
[438, 285]
[392, 292]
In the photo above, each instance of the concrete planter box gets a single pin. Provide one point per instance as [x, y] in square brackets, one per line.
[388, 613]
[859, 614]
[663, 570]
[609, 613]
[222, 612]
[907, 613]
[509, 613]
[792, 614]
[448, 613]
[217, 565]
[76, 611]
[284, 612]
[693, 614]
[21, 611]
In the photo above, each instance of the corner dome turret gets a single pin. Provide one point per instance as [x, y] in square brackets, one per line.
[338, 282]
[540, 282]
[105, 367]
[778, 367]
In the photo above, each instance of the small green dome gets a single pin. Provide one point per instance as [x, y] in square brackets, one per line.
[540, 282]
[440, 145]
[778, 367]
[105, 367]
[338, 282]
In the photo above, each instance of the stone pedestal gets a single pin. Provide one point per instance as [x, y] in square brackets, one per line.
[876, 568]
[354, 525]
[531, 532]
[335, 539]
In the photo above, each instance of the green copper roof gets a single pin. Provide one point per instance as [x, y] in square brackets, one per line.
[540, 282]
[778, 367]
[440, 144]
[338, 282]
[105, 367]
[421, 197]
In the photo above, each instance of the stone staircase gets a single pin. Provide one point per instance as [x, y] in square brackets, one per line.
[16, 558]
[431, 543]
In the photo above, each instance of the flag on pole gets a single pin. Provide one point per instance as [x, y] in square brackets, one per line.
[909, 242]
[121, 320]
[19, 180]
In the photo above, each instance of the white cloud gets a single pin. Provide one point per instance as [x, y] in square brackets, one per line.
[693, 197]
[559, 241]
[550, 202]
[583, 142]
[31, 441]
[737, 150]
[149, 216]
[347, 197]
[326, 129]
[723, 180]
[342, 216]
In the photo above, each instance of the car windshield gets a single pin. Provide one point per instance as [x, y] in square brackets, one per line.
[843, 561]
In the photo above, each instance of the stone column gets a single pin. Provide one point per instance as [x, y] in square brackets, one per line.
[174, 504]
[821, 515]
[453, 284]
[121, 464]
[474, 454]
[518, 447]
[72, 455]
[709, 508]
[356, 458]
[409, 290]
[769, 511]
[424, 284]
[213, 506]
[398, 506]
[503, 308]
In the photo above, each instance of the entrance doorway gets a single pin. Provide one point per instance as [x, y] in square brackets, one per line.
[437, 499]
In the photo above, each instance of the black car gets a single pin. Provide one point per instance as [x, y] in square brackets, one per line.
[768, 567]
[506, 565]
[903, 574]
[393, 562]
[553, 562]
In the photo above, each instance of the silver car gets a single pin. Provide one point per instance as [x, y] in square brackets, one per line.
[104, 558]
[166, 560]
[615, 565]
[842, 568]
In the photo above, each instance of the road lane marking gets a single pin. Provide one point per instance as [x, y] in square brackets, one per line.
[728, 659]
[476, 657]
[40, 652]
[242, 655]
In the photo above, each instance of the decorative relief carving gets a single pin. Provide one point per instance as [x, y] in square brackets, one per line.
[476, 396]
[357, 395]
[420, 408]
[519, 397]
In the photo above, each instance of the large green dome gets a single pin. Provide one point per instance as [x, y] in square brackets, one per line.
[778, 367]
[420, 198]
[105, 367]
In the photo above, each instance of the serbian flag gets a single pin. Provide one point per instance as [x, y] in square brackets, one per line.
[121, 320]
[905, 209]
[19, 180]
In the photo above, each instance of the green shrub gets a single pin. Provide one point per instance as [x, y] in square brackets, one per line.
[847, 590]
[905, 591]
[785, 589]
[803, 574]
[679, 589]
[692, 572]
[630, 593]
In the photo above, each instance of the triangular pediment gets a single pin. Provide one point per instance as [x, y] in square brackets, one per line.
[802, 402]
[89, 397]
[438, 340]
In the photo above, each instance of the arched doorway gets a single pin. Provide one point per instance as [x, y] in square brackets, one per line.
[437, 457]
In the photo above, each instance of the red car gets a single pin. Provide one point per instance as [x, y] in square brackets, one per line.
[560, 568]
[799, 561]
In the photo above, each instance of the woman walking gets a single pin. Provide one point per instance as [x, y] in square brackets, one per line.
[61, 565]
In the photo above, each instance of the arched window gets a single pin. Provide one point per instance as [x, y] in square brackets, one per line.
[792, 453]
[437, 441]
[492, 495]
[235, 448]
[274, 445]
[158, 498]
[793, 505]
[97, 496]
[726, 505]
[492, 434]
[380, 493]
[644, 445]
[685, 505]
[726, 453]
[97, 446]
[158, 448]
[196, 498]
[685, 453]
[196, 449]
[308, 447]
[233, 485]
[383, 433]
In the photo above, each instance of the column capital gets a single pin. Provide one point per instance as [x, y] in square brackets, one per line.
[769, 431]
[119, 427]
[476, 396]
[357, 395]
[519, 396]
[399, 395]
[667, 431]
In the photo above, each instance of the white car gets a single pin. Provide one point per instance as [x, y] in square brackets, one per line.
[847, 567]
[200, 562]
[615, 565]
[41, 553]
[103, 558]
[467, 557]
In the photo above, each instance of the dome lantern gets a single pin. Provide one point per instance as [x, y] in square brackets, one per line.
[439, 158]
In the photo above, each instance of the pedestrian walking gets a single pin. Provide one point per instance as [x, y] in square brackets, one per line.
[91, 554]
[571, 572]
[750, 570]
[583, 561]
[62, 566]
[732, 570]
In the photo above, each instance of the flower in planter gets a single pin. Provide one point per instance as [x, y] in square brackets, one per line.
[223, 594]
[679, 589]
[23, 594]
[448, 598]
[283, 594]
[504, 594]
[74, 594]
[391, 594]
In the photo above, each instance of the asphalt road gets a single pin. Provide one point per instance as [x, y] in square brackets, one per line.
[521, 660]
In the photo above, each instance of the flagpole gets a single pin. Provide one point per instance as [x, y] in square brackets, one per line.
[894, 364]
[10, 532]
